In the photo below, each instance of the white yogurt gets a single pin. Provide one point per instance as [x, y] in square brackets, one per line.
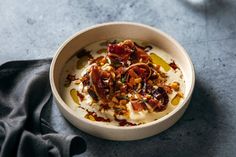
[88, 104]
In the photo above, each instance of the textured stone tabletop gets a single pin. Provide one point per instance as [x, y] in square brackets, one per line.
[33, 29]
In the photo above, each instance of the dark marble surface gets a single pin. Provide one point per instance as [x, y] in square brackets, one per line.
[33, 29]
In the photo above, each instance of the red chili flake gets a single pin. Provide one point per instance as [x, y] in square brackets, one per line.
[70, 78]
[173, 65]
[99, 119]
[81, 96]
[123, 122]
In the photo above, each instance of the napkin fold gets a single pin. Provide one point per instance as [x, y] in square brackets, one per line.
[24, 91]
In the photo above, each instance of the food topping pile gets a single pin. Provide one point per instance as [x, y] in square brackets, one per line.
[126, 74]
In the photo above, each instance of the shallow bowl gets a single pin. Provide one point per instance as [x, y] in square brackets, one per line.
[121, 30]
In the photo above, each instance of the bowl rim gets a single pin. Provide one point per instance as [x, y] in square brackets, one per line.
[97, 124]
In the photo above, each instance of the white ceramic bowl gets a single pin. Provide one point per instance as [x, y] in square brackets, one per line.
[122, 30]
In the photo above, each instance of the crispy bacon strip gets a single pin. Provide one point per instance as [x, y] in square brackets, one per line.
[123, 122]
[173, 65]
[142, 55]
[121, 51]
[130, 71]
[97, 82]
[102, 83]
[161, 99]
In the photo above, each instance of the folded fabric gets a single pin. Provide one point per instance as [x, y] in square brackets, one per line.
[24, 91]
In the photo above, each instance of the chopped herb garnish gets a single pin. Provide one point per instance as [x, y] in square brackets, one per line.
[123, 97]
[117, 64]
[123, 79]
[144, 100]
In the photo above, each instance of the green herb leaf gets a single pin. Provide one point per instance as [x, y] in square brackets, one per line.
[123, 79]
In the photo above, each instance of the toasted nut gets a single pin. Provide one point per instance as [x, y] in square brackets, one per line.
[167, 89]
[132, 73]
[137, 80]
[109, 68]
[104, 60]
[150, 82]
[175, 86]
[113, 74]
[115, 100]
[111, 104]
[130, 43]
[123, 94]
[123, 102]
[119, 83]
[137, 96]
